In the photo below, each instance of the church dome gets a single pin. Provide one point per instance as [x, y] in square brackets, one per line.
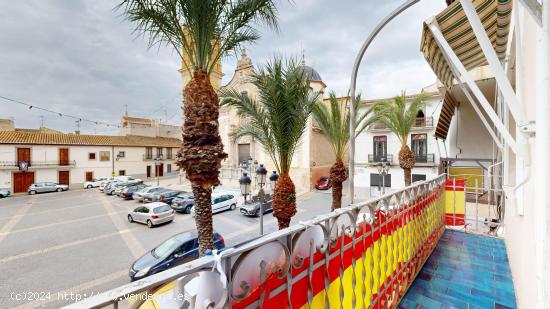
[311, 73]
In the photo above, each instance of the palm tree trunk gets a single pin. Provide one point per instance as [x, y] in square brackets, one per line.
[284, 200]
[406, 162]
[203, 218]
[338, 174]
[202, 149]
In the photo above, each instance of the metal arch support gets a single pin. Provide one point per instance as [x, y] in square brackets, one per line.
[535, 10]
[463, 76]
[353, 85]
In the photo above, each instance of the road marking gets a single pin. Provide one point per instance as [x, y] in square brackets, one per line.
[50, 210]
[232, 222]
[6, 229]
[59, 223]
[80, 290]
[129, 239]
[65, 245]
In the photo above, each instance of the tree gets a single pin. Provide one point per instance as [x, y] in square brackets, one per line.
[277, 119]
[399, 118]
[335, 124]
[201, 32]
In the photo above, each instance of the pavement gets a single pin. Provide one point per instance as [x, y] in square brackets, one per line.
[57, 248]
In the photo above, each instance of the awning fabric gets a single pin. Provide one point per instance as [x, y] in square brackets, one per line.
[444, 121]
[494, 15]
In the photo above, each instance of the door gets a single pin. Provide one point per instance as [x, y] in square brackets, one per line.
[243, 152]
[63, 156]
[22, 181]
[148, 171]
[160, 168]
[419, 147]
[63, 177]
[216, 204]
[49, 187]
[89, 176]
[380, 144]
[24, 154]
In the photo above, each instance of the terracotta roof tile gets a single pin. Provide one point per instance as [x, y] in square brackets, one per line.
[40, 138]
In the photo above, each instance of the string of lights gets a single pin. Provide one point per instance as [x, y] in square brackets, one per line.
[81, 119]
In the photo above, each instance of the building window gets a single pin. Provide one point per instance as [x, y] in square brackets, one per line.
[159, 152]
[91, 155]
[169, 168]
[169, 153]
[121, 154]
[104, 156]
[419, 147]
[244, 153]
[24, 154]
[376, 180]
[121, 173]
[418, 177]
[148, 153]
[380, 148]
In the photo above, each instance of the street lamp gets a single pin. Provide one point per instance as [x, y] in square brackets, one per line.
[245, 181]
[383, 168]
[273, 180]
[261, 174]
[158, 159]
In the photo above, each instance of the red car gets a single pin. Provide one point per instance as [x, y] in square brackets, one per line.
[323, 184]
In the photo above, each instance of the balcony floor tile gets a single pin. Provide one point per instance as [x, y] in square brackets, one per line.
[464, 271]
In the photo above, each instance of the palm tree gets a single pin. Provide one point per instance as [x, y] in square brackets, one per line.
[335, 124]
[277, 119]
[201, 32]
[399, 118]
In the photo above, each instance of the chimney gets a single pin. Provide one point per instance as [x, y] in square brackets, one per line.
[77, 132]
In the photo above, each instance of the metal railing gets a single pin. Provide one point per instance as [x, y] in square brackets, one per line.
[390, 236]
[373, 159]
[425, 158]
[147, 157]
[425, 122]
[37, 164]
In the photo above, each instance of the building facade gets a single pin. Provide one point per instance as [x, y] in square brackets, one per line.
[28, 156]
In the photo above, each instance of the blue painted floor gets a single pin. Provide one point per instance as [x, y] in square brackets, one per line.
[465, 271]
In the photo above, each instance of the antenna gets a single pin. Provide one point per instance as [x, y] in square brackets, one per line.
[41, 121]
[78, 125]
[126, 109]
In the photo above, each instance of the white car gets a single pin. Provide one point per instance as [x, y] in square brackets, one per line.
[220, 202]
[126, 179]
[95, 182]
[152, 214]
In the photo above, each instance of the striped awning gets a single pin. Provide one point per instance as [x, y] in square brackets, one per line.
[495, 16]
[444, 121]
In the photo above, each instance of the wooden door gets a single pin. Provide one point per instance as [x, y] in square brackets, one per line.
[161, 169]
[89, 176]
[63, 177]
[63, 156]
[22, 181]
[148, 171]
[24, 154]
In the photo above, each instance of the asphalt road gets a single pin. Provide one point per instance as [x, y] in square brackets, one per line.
[56, 247]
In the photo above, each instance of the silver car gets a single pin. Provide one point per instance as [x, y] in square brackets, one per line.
[152, 214]
[138, 196]
[41, 187]
[4, 193]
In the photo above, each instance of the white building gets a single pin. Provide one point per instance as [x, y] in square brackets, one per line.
[74, 158]
[378, 144]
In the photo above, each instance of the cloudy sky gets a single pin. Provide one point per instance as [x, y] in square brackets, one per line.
[79, 57]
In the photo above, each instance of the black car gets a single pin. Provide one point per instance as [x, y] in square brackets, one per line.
[183, 202]
[178, 249]
[129, 191]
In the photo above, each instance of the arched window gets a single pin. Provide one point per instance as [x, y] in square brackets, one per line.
[420, 119]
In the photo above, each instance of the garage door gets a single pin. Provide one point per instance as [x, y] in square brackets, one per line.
[63, 177]
[22, 181]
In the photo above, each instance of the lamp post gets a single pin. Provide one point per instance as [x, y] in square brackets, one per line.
[261, 173]
[245, 181]
[383, 168]
[273, 180]
[158, 159]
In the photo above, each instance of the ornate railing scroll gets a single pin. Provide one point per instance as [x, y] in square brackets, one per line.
[362, 256]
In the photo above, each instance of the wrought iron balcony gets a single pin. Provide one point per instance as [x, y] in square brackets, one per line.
[147, 157]
[37, 164]
[369, 252]
[374, 159]
[424, 122]
[425, 158]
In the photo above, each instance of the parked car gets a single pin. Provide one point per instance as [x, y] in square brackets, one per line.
[120, 186]
[110, 187]
[103, 184]
[138, 195]
[165, 197]
[183, 202]
[176, 250]
[252, 208]
[152, 214]
[41, 187]
[127, 179]
[148, 197]
[95, 182]
[221, 202]
[4, 193]
[128, 191]
[324, 183]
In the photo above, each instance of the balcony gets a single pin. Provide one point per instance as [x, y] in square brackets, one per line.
[147, 157]
[12, 165]
[425, 158]
[425, 122]
[375, 159]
